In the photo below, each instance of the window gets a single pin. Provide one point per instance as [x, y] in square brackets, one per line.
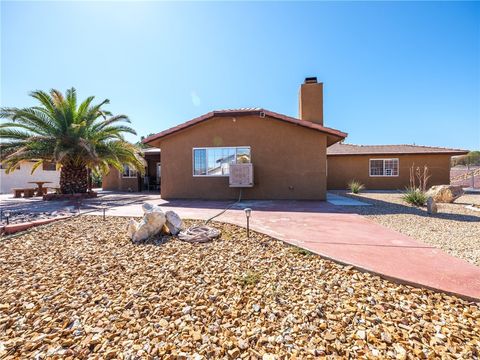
[215, 161]
[129, 172]
[49, 166]
[383, 167]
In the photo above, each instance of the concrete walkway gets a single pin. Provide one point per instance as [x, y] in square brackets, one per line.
[347, 238]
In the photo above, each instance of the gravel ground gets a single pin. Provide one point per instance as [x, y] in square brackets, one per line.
[454, 229]
[80, 289]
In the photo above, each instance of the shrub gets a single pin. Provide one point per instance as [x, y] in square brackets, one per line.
[415, 196]
[249, 278]
[355, 186]
[301, 251]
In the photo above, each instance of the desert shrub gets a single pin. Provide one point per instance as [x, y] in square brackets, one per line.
[355, 186]
[249, 278]
[415, 196]
[300, 251]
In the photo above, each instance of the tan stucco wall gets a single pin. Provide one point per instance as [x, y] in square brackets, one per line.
[115, 182]
[289, 161]
[342, 169]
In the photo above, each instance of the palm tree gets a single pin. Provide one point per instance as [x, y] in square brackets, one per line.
[79, 139]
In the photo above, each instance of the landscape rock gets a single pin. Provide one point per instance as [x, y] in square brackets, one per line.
[151, 224]
[445, 193]
[173, 222]
[431, 206]
[187, 301]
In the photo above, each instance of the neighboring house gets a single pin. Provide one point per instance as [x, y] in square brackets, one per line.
[21, 177]
[289, 156]
[386, 166]
[131, 180]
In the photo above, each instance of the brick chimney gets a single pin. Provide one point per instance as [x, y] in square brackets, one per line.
[310, 101]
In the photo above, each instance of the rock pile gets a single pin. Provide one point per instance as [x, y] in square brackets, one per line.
[154, 222]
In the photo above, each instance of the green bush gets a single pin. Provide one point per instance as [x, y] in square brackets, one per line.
[355, 186]
[415, 196]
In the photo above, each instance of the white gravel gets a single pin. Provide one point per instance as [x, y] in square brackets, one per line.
[455, 229]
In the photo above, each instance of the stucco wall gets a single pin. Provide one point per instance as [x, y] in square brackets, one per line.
[114, 181]
[289, 161]
[342, 169]
[20, 178]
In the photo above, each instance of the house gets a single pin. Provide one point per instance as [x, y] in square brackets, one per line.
[386, 167]
[22, 176]
[293, 158]
[130, 180]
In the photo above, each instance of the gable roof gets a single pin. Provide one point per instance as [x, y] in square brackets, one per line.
[334, 135]
[350, 149]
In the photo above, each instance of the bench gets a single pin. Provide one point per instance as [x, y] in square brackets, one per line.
[27, 192]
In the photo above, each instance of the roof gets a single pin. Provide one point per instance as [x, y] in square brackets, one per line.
[350, 149]
[335, 135]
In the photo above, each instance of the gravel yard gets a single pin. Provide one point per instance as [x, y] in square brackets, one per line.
[80, 289]
[454, 229]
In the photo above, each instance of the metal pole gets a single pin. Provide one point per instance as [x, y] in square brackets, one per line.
[248, 227]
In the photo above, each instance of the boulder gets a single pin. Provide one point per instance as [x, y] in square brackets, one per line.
[173, 222]
[445, 193]
[151, 224]
[431, 206]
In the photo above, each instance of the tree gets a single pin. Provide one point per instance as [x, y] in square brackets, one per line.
[472, 158]
[140, 143]
[80, 139]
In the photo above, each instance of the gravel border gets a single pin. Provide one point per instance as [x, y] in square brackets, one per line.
[455, 229]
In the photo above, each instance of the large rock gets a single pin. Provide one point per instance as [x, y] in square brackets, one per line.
[151, 224]
[174, 222]
[445, 193]
[431, 206]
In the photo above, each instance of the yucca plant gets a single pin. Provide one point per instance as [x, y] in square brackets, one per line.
[415, 196]
[355, 186]
[79, 138]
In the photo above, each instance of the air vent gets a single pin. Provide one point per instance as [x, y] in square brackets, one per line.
[241, 175]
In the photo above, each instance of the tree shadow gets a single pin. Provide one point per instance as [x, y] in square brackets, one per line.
[381, 207]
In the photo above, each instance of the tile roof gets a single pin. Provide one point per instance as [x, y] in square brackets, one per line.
[336, 134]
[350, 149]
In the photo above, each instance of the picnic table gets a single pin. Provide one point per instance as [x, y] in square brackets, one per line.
[40, 189]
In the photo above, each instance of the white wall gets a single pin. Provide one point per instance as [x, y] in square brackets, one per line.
[20, 178]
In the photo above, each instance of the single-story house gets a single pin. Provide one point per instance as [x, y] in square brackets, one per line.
[130, 180]
[291, 158]
[386, 167]
[22, 176]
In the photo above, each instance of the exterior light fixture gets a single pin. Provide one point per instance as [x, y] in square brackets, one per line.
[248, 212]
[104, 208]
[7, 216]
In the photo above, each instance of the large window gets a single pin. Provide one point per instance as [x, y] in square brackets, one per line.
[383, 167]
[128, 172]
[215, 161]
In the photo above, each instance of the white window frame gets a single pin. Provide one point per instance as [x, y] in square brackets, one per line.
[132, 173]
[383, 160]
[206, 157]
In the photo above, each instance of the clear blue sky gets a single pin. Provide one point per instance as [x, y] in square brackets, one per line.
[393, 72]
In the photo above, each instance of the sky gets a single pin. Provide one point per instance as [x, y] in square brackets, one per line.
[393, 72]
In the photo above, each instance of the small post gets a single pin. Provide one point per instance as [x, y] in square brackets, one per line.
[104, 208]
[7, 216]
[248, 212]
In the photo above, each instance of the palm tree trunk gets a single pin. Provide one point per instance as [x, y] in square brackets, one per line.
[89, 179]
[73, 179]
